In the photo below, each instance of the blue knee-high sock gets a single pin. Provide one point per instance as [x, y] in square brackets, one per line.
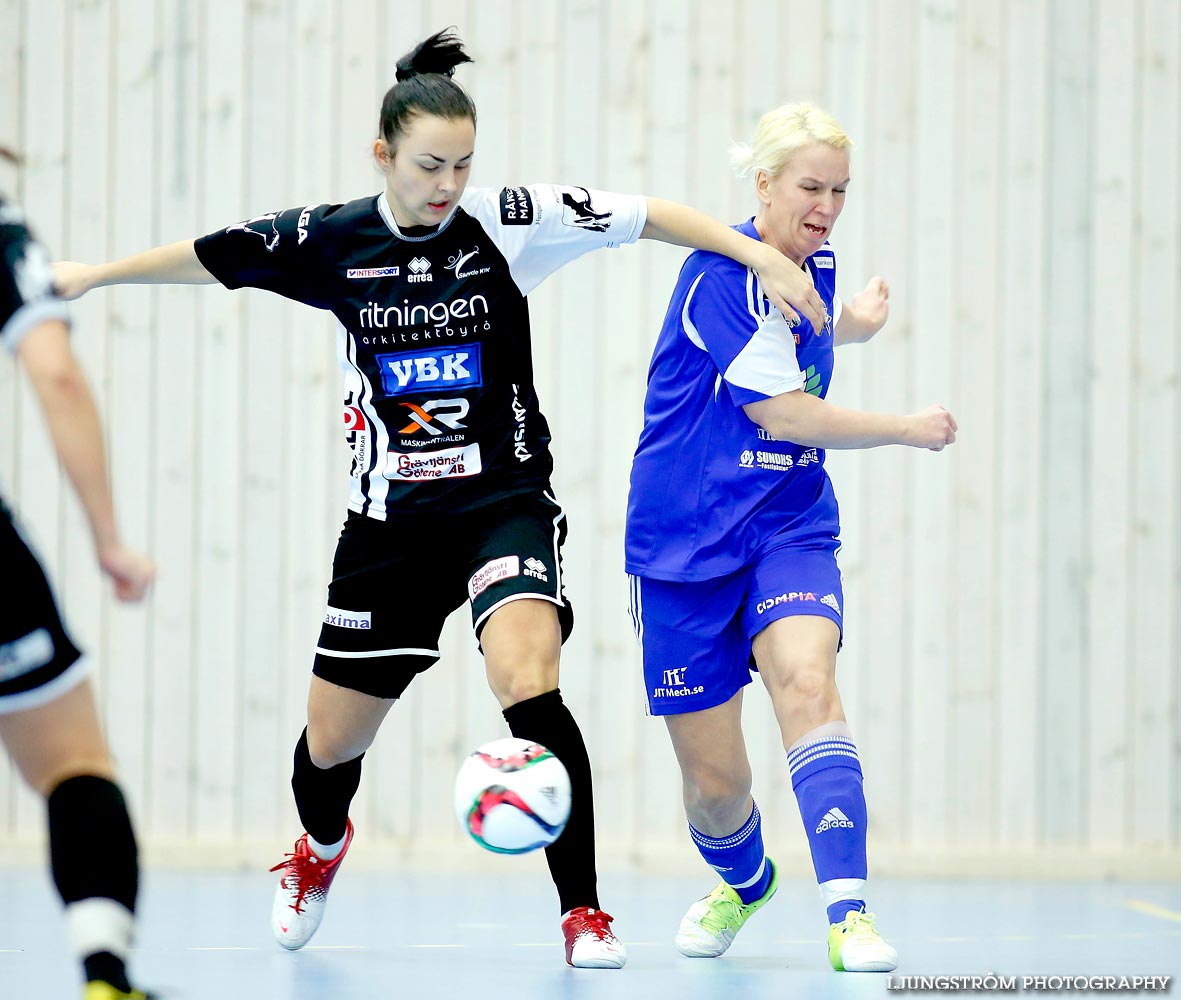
[826, 777]
[738, 858]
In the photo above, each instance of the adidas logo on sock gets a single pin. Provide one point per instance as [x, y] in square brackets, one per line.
[833, 818]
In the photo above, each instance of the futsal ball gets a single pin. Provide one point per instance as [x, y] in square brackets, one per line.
[512, 796]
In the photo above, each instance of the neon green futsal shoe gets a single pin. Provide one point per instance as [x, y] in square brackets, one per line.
[98, 990]
[854, 945]
[710, 925]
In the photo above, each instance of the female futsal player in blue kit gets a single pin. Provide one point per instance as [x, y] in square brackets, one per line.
[732, 535]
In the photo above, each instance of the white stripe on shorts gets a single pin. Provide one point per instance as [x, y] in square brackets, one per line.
[557, 554]
[636, 607]
[70, 678]
[376, 652]
[528, 596]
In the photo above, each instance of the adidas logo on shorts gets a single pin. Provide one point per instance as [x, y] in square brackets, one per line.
[831, 601]
[833, 818]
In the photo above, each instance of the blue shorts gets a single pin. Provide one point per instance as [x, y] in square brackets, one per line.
[696, 637]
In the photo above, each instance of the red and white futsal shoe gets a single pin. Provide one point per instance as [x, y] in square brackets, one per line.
[303, 892]
[590, 942]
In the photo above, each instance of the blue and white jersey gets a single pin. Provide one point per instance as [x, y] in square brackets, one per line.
[710, 489]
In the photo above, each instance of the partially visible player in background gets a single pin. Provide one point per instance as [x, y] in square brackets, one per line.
[49, 723]
[732, 536]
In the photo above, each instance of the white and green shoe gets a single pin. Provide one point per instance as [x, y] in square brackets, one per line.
[855, 945]
[710, 925]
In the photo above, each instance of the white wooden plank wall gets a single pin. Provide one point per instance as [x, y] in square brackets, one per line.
[1013, 659]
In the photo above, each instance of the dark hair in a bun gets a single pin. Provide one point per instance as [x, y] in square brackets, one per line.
[425, 86]
[440, 54]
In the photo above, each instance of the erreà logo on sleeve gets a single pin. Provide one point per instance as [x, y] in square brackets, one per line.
[452, 368]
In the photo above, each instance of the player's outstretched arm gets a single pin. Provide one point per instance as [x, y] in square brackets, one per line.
[73, 422]
[788, 287]
[174, 264]
[865, 314]
[807, 420]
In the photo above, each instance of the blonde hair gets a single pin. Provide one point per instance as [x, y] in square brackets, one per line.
[783, 132]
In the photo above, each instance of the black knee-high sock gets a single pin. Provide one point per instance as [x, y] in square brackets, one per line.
[93, 856]
[546, 720]
[322, 795]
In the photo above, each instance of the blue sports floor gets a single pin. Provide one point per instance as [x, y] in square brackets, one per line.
[487, 937]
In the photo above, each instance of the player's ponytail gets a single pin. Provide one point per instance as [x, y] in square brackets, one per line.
[425, 86]
[440, 53]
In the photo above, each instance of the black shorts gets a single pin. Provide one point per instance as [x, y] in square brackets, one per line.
[394, 583]
[38, 662]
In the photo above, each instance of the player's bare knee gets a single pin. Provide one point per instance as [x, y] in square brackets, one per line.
[514, 688]
[521, 679]
[808, 689]
[44, 780]
[328, 748]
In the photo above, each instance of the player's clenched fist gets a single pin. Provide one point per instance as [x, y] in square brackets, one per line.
[934, 428]
[130, 572]
[72, 279]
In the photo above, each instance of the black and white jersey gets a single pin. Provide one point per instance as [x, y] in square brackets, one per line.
[27, 296]
[433, 340]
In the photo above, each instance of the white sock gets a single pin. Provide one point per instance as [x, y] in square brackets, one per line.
[326, 852]
[99, 924]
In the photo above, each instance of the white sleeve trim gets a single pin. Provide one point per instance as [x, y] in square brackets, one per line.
[686, 323]
[767, 364]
